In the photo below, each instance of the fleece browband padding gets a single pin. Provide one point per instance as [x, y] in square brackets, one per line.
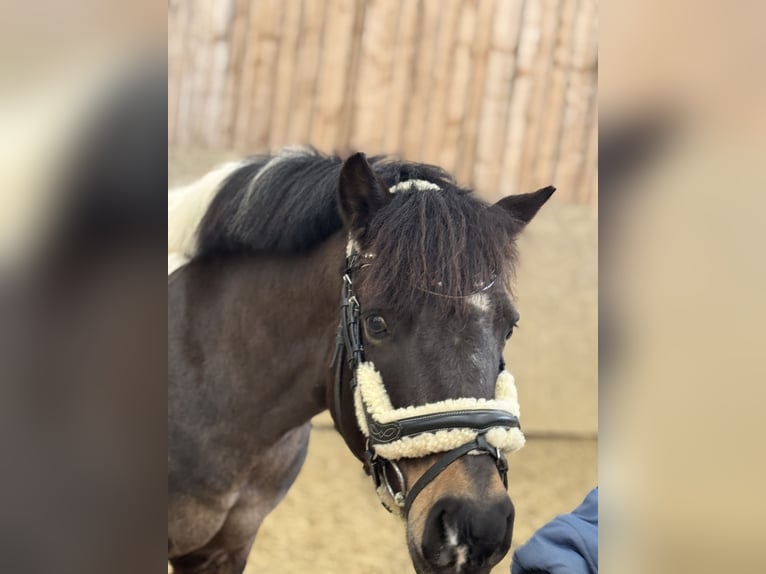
[371, 395]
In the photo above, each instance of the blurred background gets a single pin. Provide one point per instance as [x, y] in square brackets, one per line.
[681, 162]
[502, 94]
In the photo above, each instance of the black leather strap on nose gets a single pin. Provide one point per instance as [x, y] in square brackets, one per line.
[479, 444]
[477, 419]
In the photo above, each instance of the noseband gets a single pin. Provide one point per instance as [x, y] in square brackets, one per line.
[470, 426]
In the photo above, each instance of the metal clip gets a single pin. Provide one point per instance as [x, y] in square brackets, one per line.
[397, 496]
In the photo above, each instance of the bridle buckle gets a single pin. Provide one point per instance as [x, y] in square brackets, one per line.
[376, 467]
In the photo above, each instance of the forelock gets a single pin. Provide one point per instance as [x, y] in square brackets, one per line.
[440, 243]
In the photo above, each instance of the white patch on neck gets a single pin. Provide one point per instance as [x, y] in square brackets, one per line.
[414, 185]
[480, 301]
[186, 208]
[176, 261]
[187, 205]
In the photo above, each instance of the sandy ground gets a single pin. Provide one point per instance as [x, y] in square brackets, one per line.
[331, 520]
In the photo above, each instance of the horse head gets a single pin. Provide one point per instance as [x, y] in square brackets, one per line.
[421, 393]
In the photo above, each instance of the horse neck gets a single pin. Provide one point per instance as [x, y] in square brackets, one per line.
[271, 324]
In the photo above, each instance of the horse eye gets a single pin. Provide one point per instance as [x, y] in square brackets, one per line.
[510, 332]
[376, 325]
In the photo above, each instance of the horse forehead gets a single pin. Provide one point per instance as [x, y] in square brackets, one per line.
[485, 303]
[480, 302]
[477, 314]
[464, 335]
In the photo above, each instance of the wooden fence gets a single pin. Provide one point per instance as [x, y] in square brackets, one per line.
[502, 93]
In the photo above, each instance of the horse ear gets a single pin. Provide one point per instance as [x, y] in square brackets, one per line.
[523, 206]
[360, 193]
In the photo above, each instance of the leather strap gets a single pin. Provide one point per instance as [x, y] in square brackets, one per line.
[447, 459]
[480, 419]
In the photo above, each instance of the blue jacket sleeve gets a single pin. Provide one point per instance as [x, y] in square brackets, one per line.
[566, 545]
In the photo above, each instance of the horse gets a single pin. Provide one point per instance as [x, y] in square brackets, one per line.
[373, 287]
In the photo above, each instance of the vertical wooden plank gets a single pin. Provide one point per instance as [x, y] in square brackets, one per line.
[354, 64]
[429, 12]
[331, 83]
[188, 84]
[257, 82]
[307, 70]
[579, 99]
[268, 29]
[515, 140]
[442, 70]
[236, 63]
[470, 125]
[286, 69]
[540, 71]
[245, 91]
[516, 131]
[175, 63]
[373, 84]
[218, 40]
[588, 185]
[185, 83]
[497, 93]
[202, 58]
[592, 182]
[403, 69]
[547, 152]
[459, 87]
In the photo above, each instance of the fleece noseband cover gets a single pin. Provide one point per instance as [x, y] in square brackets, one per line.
[374, 412]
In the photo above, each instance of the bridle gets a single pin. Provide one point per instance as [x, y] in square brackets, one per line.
[351, 347]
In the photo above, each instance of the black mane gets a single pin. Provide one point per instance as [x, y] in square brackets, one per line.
[446, 242]
[287, 203]
[283, 204]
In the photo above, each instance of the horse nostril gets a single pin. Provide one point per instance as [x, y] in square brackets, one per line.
[433, 544]
[443, 540]
[461, 532]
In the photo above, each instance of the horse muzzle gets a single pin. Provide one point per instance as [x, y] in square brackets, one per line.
[463, 536]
